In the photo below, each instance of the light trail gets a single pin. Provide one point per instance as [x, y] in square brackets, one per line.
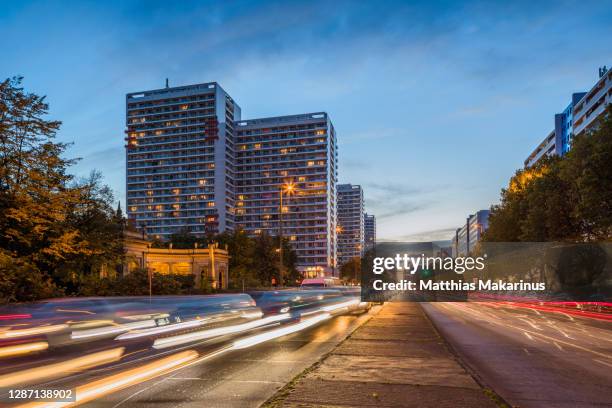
[104, 386]
[55, 370]
[32, 331]
[109, 330]
[220, 331]
[172, 327]
[10, 351]
[283, 331]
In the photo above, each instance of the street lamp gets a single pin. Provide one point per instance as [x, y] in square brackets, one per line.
[288, 189]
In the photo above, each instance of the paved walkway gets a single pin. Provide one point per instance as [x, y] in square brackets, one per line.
[396, 359]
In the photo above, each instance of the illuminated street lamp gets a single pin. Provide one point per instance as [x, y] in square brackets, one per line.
[288, 189]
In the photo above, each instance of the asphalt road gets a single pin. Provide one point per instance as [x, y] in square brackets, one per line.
[239, 378]
[530, 357]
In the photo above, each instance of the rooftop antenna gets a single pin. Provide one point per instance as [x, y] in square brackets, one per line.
[167, 86]
[602, 71]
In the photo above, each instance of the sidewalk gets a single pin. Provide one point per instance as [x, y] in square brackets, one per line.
[396, 359]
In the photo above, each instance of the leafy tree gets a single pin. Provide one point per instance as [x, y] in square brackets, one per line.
[351, 270]
[561, 198]
[53, 228]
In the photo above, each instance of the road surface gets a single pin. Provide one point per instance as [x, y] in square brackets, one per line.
[531, 358]
[241, 378]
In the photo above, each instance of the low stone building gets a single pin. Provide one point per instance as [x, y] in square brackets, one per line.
[209, 263]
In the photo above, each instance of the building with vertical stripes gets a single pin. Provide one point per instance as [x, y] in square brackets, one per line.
[369, 226]
[300, 150]
[180, 159]
[350, 222]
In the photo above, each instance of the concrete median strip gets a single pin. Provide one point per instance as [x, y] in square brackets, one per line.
[396, 359]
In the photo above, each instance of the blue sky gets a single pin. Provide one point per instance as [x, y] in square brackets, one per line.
[436, 104]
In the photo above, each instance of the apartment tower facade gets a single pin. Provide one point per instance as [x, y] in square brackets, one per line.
[180, 159]
[351, 230]
[296, 150]
[369, 226]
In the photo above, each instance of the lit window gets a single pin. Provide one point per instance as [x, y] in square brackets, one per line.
[133, 208]
[302, 178]
[176, 191]
[202, 182]
[257, 145]
[310, 163]
[210, 204]
[184, 107]
[320, 132]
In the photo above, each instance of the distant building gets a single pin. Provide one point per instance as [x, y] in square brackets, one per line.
[468, 235]
[179, 154]
[558, 141]
[583, 113]
[350, 222]
[589, 110]
[547, 147]
[206, 264]
[369, 227]
[297, 149]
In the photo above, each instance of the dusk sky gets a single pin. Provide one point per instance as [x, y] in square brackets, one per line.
[435, 104]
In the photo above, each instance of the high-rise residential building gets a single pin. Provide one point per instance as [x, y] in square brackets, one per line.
[369, 227]
[582, 114]
[558, 142]
[180, 159]
[465, 239]
[351, 232]
[296, 150]
[589, 110]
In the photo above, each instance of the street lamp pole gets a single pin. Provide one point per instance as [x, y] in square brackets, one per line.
[288, 188]
[280, 237]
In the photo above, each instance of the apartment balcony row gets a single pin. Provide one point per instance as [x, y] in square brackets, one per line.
[308, 230]
[273, 159]
[299, 176]
[165, 221]
[178, 161]
[201, 140]
[153, 171]
[162, 193]
[200, 179]
[286, 153]
[162, 103]
[292, 170]
[137, 157]
[195, 113]
[286, 131]
[294, 141]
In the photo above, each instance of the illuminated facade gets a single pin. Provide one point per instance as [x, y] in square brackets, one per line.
[296, 149]
[350, 222]
[179, 154]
